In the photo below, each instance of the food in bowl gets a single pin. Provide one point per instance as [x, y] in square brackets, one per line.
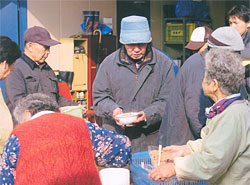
[165, 157]
[127, 118]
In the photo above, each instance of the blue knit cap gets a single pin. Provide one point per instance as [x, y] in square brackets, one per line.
[135, 30]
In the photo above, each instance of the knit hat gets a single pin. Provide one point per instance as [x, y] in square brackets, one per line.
[39, 35]
[227, 38]
[199, 37]
[135, 30]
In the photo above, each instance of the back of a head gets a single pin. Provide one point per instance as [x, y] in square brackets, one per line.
[34, 103]
[135, 30]
[224, 65]
[9, 50]
[226, 38]
[240, 11]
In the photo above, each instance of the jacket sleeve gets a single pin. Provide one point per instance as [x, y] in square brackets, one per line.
[110, 148]
[15, 87]
[246, 52]
[62, 101]
[217, 152]
[9, 160]
[103, 100]
[194, 100]
[154, 112]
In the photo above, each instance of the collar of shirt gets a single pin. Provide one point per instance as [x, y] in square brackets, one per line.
[246, 36]
[136, 64]
[41, 113]
[33, 64]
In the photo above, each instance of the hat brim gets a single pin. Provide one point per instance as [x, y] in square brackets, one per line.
[135, 37]
[49, 42]
[245, 62]
[194, 45]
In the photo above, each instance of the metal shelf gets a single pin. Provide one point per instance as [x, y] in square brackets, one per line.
[187, 19]
[173, 43]
[184, 21]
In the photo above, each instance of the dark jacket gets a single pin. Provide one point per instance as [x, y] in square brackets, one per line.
[245, 88]
[120, 84]
[185, 110]
[28, 78]
[246, 39]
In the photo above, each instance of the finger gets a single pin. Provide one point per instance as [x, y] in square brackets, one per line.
[153, 174]
[130, 125]
[162, 179]
[157, 177]
[60, 109]
[169, 148]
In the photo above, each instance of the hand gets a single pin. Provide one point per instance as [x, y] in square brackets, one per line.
[141, 117]
[115, 113]
[161, 173]
[177, 151]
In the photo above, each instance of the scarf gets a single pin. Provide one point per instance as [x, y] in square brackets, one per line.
[221, 105]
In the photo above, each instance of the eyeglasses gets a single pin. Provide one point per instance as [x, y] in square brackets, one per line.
[47, 48]
[133, 46]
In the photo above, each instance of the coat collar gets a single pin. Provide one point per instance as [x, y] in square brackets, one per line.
[123, 59]
[246, 36]
[31, 63]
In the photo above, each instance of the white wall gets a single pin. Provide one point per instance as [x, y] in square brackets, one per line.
[156, 23]
[62, 18]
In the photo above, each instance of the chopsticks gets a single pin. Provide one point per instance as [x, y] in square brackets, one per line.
[159, 155]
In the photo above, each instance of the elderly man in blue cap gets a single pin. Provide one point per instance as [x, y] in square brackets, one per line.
[135, 78]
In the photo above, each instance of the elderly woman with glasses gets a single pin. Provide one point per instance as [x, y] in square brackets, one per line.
[222, 154]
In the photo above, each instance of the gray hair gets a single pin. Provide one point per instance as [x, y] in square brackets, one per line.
[34, 103]
[225, 66]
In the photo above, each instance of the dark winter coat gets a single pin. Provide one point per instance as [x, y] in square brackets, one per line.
[120, 84]
[185, 110]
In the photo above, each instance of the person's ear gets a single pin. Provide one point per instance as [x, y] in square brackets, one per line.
[28, 46]
[248, 24]
[27, 115]
[215, 84]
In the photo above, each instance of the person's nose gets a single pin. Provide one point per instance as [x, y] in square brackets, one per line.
[233, 25]
[137, 48]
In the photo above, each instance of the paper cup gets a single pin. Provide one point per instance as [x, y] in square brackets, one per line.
[115, 176]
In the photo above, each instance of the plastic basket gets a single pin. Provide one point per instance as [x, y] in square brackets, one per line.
[175, 32]
[140, 175]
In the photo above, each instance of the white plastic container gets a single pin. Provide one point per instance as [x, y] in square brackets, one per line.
[73, 110]
[115, 176]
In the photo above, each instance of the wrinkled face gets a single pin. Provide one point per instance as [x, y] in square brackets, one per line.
[5, 70]
[240, 25]
[207, 87]
[136, 51]
[38, 52]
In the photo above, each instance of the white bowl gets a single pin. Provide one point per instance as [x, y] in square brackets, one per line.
[115, 176]
[127, 118]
